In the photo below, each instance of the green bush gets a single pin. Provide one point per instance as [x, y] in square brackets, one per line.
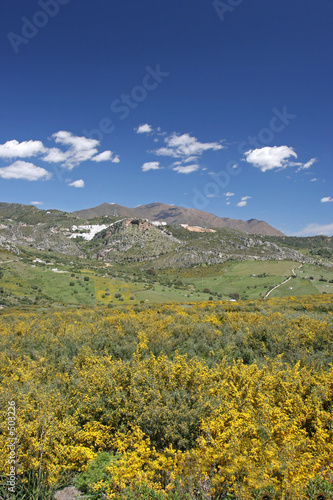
[95, 472]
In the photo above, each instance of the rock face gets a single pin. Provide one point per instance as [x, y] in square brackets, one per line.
[39, 236]
[69, 493]
[139, 240]
[133, 240]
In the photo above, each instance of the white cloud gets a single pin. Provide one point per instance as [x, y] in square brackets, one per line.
[190, 159]
[77, 150]
[326, 199]
[78, 143]
[36, 203]
[228, 194]
[77, 184]
[185, 146]
[316, 229]
[80, 148]
[106, 156]
[268, 158]
[151, 165]
[24, 170]
[55, 155]
[143, 129]
[26, 149]
[314, 179]
[307, 165]
[227, 203]
[243, 201]
[188, 169]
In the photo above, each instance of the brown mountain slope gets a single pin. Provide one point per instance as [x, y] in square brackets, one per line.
[180, 215]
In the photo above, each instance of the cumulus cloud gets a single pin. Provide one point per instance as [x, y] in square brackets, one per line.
[79, 143]
[228, 194]
[106, 156]
[182, 147]
[55, 155]
[77, 184]
[326, 199]
[187, 149]
[75, 150]
[151, 165]
[269, 158]
[36, 203]
[314, 179]
[316, 229]
[80, 148]
[24, 170]
[26, 149]
[143, 129]
[243, 201]
[185, 146]
[186, 169]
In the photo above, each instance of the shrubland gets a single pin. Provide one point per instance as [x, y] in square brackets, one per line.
[209, 400]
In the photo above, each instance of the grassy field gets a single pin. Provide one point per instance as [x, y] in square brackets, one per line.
[250, 279]
[304, 285]
[91, 283]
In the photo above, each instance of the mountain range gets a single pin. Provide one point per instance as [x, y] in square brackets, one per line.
[172, 214]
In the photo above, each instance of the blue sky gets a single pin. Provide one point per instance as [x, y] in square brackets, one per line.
[223, 106]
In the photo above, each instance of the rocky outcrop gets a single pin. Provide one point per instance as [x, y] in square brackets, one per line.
[70, 493]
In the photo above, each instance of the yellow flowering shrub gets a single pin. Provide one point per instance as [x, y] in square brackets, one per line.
[213, 399]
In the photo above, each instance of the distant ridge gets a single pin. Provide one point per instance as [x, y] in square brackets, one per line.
[179, 215]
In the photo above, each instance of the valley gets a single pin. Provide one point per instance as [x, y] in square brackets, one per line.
[55, 259]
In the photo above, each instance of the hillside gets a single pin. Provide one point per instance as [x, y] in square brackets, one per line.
[116, 238]
[159, 391]
[138, 240]
[179, 215]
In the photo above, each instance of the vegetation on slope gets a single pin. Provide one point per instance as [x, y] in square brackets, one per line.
[212, 400]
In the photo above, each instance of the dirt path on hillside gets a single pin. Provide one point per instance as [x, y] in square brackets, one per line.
[283, 282]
